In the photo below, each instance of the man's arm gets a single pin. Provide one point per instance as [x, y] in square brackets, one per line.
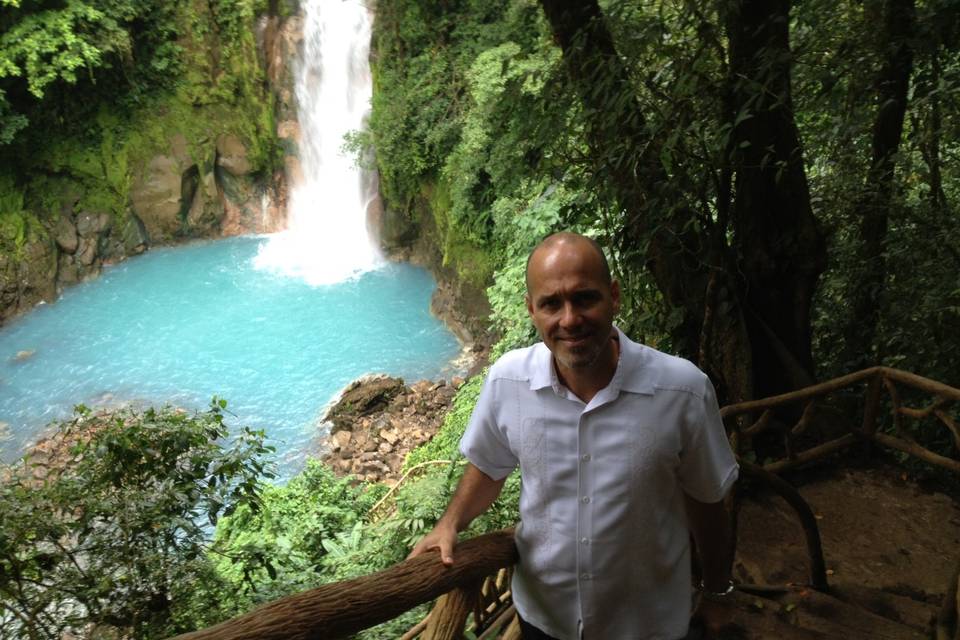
[710, 526]
[474, 495]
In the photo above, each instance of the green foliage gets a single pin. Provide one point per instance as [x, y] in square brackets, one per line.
[18, 226]
[293, 541]
[11, 122]
[316, 529]
[115, 533]
[523, 221]
[53, 44]
[115, 50]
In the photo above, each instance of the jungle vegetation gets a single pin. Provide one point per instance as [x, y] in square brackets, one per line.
[777, 183]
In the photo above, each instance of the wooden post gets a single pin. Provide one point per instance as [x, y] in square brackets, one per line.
[513, 630]
[450, 613]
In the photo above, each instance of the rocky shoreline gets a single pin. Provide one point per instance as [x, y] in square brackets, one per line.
[378, 420]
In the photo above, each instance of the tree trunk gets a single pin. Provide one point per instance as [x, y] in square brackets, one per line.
[776, 236]
[877, 199]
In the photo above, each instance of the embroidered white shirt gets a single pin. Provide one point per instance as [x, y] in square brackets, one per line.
[603, 539]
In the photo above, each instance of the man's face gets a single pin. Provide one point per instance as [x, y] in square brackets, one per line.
[571, 304]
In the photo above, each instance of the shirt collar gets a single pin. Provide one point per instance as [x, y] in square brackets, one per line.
[632, 373]
[543, 374]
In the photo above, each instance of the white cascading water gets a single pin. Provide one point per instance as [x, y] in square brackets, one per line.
[326, 239]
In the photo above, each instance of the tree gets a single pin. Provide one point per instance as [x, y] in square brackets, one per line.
[781, 250]
[115, 532]
[874, 204]
[741, 275]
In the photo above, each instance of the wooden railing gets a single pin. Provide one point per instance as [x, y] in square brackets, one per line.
[875, 380]
[343, 608]
[478, 582]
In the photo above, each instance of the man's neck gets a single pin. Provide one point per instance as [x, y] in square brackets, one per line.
[587, 383]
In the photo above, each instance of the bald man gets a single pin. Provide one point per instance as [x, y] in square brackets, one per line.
[622, 455]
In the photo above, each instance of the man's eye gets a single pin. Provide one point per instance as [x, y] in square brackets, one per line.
[586, 299]
[550, 304]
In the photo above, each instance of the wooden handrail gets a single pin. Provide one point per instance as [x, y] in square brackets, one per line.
[878, 379]
[340, 609]
[800, 394]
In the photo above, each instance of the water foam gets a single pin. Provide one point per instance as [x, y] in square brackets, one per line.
[326, 240]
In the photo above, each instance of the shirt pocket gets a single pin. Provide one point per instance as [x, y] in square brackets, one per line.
[548, 500]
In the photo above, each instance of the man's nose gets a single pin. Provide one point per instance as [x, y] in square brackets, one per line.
[570, 316]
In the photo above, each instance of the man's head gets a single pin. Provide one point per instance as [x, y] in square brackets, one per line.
[572, 300]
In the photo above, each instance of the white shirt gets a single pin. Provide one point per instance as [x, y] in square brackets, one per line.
[603, 539]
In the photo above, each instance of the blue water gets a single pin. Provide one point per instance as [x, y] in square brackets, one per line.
[183, 324]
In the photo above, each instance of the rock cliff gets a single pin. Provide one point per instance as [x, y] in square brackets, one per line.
[210, 159]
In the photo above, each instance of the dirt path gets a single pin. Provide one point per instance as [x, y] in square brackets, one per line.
[890, 547]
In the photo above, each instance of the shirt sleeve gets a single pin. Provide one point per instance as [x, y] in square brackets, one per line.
[708, 467]
[485, 443]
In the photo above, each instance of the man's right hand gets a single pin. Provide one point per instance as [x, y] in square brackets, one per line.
[443, 537]
[475, 493]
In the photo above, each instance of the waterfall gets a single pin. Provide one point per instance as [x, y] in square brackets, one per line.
[326, 239]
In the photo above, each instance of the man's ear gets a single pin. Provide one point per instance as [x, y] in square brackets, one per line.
[526, 298]
[615, 296]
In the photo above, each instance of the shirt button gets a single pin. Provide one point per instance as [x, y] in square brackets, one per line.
[583, 541]
[585, 576]
[585, 499]
[585, 457]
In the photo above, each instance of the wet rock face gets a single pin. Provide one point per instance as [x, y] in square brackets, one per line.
[198, 186]
[66, 236]
[27, 274]
[378, 420]
[175, 196]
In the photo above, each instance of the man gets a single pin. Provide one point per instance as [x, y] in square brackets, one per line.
[621, 453]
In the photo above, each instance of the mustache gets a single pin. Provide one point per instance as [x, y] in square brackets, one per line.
[574, 336]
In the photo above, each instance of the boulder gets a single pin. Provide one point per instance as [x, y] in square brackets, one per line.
[65, 234]
[87, 252]
[38, 271]
[232, 155]
[27, 276]
[341, 439]
[381, 420]
[68, 272]
[92, 224]
[155, 195]
[133, 235]
[206, 211]
[362, 398]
